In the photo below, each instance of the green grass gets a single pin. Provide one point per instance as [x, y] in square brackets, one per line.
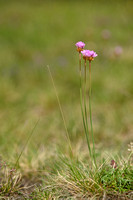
[40, 33]
[73, 179]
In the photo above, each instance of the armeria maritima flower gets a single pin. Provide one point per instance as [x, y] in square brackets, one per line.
[89, 55]
[80, 46]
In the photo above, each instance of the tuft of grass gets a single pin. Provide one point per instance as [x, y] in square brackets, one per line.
[10, 180]
[74, 179]
[14, 184]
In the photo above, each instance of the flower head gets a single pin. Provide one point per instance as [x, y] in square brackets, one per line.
[80, 46]
[89, 55]
[118, 50]
[113, 164]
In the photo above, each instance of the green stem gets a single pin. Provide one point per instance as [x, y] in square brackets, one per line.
[31, 133]
[90, 113]
[85, 110]
[62, 114]
[81, 103]
[80, 65]
[85, 71]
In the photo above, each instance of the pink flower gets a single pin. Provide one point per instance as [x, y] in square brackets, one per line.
[113, 164]
[85, 53]
[80, 46]
[89, 55]
[118, 50]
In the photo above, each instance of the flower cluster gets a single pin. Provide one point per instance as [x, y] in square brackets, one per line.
[87, 54]
[80, 46]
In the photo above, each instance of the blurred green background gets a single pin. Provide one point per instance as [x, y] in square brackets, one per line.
[34, 34]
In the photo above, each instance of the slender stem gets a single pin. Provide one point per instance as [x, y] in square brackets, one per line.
[92, 135]
[31, 133]
[85, 71]
[81, 95]
[80, 64]
[85, 110]
[81, 103]
[61, 111]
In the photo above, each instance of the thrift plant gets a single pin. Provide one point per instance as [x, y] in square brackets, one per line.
[87, 56]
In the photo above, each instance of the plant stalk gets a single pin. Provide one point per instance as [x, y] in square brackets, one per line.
[84, 115]
[62, 114]
[90, 113]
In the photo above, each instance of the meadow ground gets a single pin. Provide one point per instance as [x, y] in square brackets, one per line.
[34, 34]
